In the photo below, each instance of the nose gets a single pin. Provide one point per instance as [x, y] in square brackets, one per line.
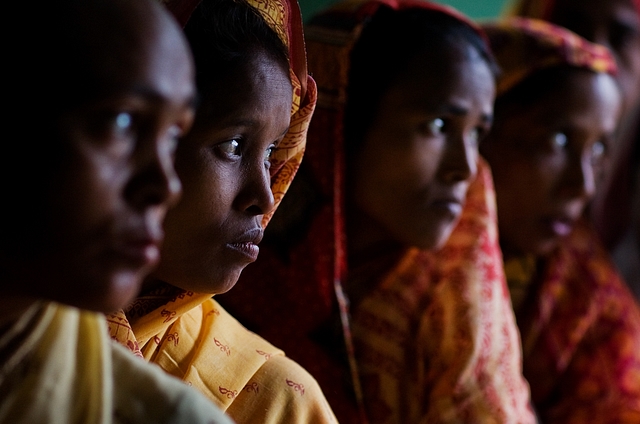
[580, 181]
[256, 197]
[154, 180]
[459, 162]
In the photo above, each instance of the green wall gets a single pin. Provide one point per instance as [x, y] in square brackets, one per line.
[478, 9]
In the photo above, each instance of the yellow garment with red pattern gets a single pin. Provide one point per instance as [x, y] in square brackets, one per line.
[580, 329]
[200, 343]
[436, 341]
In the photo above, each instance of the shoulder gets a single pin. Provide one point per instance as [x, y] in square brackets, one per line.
[143, 393]
[281, 391]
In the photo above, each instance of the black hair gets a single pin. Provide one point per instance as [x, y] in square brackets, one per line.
[223, 34]
[388, 42]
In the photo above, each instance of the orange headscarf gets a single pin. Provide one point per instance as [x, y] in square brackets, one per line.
[300, 289]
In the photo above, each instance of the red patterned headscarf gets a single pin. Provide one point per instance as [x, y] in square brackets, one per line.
[524, 46]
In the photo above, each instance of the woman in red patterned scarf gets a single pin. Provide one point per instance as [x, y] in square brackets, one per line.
[555, 117]
[392, 184]
[616, 25]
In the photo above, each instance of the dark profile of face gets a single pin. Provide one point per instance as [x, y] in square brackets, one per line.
[126, 79]
[547, 157]
[416, 162]
[223, 163]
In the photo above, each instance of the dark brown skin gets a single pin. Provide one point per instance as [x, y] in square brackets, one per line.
[546, 158]
[224, 166]
[411, 175]
[115, 178]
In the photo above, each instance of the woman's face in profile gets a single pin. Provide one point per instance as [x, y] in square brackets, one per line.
[223, 164]
[614, 24]
[411, 175]
[547, 157]
[116, 179]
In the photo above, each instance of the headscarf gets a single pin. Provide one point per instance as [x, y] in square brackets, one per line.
[300, 289]
[524, 46]
[151, 314]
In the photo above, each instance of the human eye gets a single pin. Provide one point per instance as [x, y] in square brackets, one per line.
[268, 153]
[229, 148]
[436, 126]
[598, 151]
[559, 140]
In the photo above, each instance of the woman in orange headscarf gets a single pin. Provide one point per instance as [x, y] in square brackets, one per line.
[406, 90]
[235, 165]
[555, 116]
[616, 25]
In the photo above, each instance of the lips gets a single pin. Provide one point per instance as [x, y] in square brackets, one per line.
[247, 244]
[141, 248]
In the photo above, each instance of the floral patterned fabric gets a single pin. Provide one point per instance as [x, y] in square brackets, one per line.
[437, 340]
[580, 330]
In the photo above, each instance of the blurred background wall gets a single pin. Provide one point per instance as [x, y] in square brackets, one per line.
[478, 9]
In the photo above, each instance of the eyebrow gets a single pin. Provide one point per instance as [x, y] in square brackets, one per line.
[456, 110]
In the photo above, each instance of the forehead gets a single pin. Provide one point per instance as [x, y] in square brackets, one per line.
[434, 77]
[123, 46]
[258, 85]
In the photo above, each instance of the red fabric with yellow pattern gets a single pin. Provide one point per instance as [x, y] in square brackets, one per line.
[524, 46]
[581, 338]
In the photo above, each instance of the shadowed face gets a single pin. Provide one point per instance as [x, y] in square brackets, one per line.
[412, 172]
[223, 164]
[114, 178]
[614, 24]
[547, 156]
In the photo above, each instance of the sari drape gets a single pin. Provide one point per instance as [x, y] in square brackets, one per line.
[59, 366]
[189, 335]
[580, 329]
[437, 340]
[298, 278]
[579, 324]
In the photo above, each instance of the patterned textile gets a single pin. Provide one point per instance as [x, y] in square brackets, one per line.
[580, 331]
[579, 325]
[437, 341]
[525, 46]
[57, 365]
[247, 377]
[169, 323]
[297, 280]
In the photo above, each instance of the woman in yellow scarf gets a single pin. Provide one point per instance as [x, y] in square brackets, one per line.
[392, 186]
[88, 180]
[556, 114]
[235, 165]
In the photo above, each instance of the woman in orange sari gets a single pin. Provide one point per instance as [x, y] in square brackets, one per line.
[555, 117]
[235, 165]
[405, 93]
[616, 25]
